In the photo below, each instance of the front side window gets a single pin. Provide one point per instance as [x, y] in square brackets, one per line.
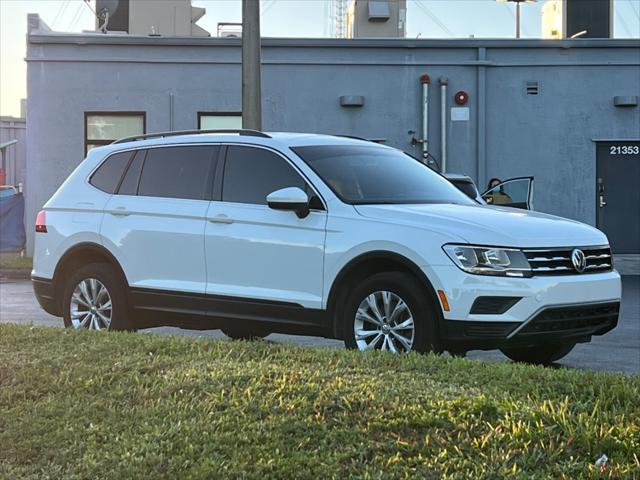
[102, 128]
[178, 172]
[250, 174]
[108, 174]
[377, 175]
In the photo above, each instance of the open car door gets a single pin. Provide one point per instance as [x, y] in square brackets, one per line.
[514, 192]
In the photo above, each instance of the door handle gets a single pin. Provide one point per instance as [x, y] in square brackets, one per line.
[120, 212]
[601, 201]
[221, 219]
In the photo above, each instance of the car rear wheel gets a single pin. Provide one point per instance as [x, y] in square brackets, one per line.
[540, 355]
[390, 311]
[94, 298]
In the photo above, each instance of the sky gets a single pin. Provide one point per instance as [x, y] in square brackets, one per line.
[284, 18]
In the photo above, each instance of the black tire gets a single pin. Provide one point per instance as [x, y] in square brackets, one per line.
[245, 333]
[406, 287]
[106, 275]
[540, 355]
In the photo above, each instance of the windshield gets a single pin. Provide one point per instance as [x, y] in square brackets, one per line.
[372, 174]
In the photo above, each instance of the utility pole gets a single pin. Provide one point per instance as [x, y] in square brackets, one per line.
[251, 89]
[517, 19]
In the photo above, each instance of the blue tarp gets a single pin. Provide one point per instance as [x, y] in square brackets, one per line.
[12, 235]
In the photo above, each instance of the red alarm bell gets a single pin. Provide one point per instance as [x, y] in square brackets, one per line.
[461, 98]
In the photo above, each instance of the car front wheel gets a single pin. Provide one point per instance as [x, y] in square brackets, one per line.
[390, 311]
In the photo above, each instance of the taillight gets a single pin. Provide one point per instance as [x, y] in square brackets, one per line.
[41, 222]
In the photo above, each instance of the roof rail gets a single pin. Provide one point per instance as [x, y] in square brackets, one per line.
[239, 131]
[354, 137]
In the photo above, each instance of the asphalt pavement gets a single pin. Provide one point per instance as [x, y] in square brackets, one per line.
[616, 351]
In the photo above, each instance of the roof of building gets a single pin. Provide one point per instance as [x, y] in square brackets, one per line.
[39, 32]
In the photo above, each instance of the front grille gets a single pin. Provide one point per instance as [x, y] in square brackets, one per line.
[489, 329]
[575, 320]
[557, 261]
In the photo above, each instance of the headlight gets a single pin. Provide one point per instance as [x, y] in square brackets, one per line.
[489, 260]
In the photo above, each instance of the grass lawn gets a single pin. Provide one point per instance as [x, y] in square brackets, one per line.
[120, 405]
[15, 261]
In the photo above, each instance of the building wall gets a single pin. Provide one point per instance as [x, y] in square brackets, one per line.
[508, 133]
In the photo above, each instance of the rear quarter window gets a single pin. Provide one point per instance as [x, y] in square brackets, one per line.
[178, 172]
[108, 175]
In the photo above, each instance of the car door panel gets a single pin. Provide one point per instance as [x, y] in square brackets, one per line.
[159, 243]
[515, 192]
[156, 230]
[265, 254]
[255, 252]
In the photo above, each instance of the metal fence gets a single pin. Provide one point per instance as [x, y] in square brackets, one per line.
[12, 128]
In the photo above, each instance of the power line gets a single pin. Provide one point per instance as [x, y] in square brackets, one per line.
[434, 18]
[76, 17]
[624, 24]
[60, 13]
[266, 6]
[633, 5]
[513, 15]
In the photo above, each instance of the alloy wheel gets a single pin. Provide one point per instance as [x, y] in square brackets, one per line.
[91, 305]
[384, 321]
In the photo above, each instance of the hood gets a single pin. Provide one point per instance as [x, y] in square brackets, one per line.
[487, 225]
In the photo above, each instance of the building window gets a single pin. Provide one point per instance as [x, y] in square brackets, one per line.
[219, 120]
[102, 128]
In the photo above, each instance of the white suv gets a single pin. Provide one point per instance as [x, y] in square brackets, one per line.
[320, 235]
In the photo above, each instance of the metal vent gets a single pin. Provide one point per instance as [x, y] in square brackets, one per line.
[532, 87]
[557, 261]
[581, 320]
[493, 305]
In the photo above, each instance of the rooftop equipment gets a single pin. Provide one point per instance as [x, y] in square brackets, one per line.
[377, 18]
[150, 17]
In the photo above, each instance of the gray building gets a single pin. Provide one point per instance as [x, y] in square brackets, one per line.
[555, 109]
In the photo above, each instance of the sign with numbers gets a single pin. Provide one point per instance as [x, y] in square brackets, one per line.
[624, 149]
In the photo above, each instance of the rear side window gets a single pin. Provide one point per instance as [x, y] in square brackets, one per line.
[178, 172]
[250, 174]
[129, 185]
[108, 175]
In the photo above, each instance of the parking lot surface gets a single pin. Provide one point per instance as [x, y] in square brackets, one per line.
[617, 351]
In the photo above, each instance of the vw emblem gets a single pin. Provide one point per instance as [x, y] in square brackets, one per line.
[579, 260]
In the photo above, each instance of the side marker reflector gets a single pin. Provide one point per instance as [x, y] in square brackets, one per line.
[443, 300]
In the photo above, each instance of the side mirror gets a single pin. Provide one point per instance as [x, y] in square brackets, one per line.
[292, 199]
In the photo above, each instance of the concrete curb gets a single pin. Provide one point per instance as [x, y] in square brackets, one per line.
[15, 273]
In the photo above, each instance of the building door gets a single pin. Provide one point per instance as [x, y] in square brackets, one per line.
[618, 194]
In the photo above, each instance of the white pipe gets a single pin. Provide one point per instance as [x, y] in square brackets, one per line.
[443, 124]
[171, 113]
[424, 79]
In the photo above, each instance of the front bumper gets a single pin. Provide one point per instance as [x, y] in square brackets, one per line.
[566, 324]
[547, 309]
[45, 294]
